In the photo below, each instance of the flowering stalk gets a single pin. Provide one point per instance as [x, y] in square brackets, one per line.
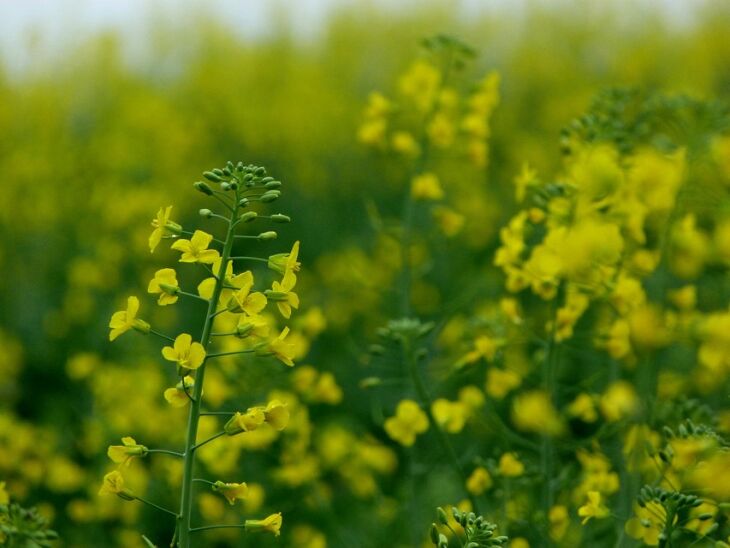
[194, 415]
[224, 293]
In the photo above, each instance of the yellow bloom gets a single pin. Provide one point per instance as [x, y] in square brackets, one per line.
[232, 491]
[195, 250]
[451, 416]
[164, 283]
[510, 466]
[271, 524]
[408, 422]
[278, 347]
[4, 497]
[113, 484]
[479, 481]
[184, 352]
[593, 508]
[559, 521]
[282, 293]
[534, 412]
[501, 381]
[245, 422]
[584, 408]
[286, 262]
[648, 523]
[124, 320]
[245, 301]
[123, 454]
[252, 325]
[276, 414]
[404, 143]
[619, 401]
[163, 227]
[176, 396]
[426, 186]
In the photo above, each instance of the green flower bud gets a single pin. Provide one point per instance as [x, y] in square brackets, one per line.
[442, 517]
[243, 202]
[280, 218]
[272, 184]
[434, 534]
[218, 171]
[276, 295]
[269, 235]
[260, 171]
[212, 176]
[248, 216]
[206, 213]
[203, 187]
[226, 186]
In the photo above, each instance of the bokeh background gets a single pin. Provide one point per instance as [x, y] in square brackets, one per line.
[111, 110]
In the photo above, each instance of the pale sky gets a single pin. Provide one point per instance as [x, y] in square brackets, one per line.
[54, 25]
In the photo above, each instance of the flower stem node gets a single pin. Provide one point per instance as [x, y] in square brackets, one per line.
[203, 187]
[248, 216]
[268, 235]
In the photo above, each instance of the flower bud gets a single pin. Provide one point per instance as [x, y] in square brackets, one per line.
[434, 534]
[260, 171]
[206, 213]
[269, 235]
[226, 186]
[270, 185]
[203, 187]
[280, 218]
[218, 171]
[276, 295]
[212, 176]
[243, 202]
[248, 216]
[442, 517]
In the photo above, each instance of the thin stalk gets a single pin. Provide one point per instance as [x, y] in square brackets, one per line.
[157, 506]
[193, 295]
[186, 499]
[162, 335]
[231, 353]
[210, 439]
[208, 527]
[166, 452]
[425, 398]
[244, 258]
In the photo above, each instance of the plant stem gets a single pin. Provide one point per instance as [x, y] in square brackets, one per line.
[208, 527]
[153, 505]
[166, 452]
[425, 398]
[186, 498]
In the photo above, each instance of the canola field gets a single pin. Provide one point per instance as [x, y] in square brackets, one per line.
[416, 280]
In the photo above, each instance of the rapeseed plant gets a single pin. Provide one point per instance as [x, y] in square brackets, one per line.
[230, 301]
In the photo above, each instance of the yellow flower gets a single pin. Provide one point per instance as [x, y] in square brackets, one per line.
[501, 381]
[619, 401]
[559, 521]
[593, 508]
[124, 320]
[426, 186]
[164, 283]
[195, 250]
[282, 293]
[4, 497]
[113, 484]
[184, 352]
[245, 301]
[534, 412]
[648, 523]
[584, 408]
[408, 422]
[163, 227]
[286, 262]
[271, 524]
[510, 466]
[276, 414]
[404, 143]
[252, 325]
[451, 416]
[245, 422]
[232, 491]
[123, 454]
[479, 481]
[176, 396]
[282, 350]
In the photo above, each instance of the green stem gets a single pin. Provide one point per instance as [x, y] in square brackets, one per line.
[231, 353]
[166, 452]
[181, 292]
[153, 505]
[210, 439]
[425, 398]
[208, 527]
[162, 335]
[186, 498]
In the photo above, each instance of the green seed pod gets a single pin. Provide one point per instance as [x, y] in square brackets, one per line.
[280, 218]
[272, 184]
[443, 541]
[248, 216]
[206, 213]
[212, 176]
[376, 349]
[203, 187]
[268, 235]
[270, 196]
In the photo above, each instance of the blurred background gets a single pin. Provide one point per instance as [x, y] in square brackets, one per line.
[109, 110]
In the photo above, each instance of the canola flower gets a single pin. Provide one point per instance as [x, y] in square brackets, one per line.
[239, 184]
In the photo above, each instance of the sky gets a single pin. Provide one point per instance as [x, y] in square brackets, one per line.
[55, 26]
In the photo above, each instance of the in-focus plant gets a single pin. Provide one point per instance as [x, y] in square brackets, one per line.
[234, 323]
